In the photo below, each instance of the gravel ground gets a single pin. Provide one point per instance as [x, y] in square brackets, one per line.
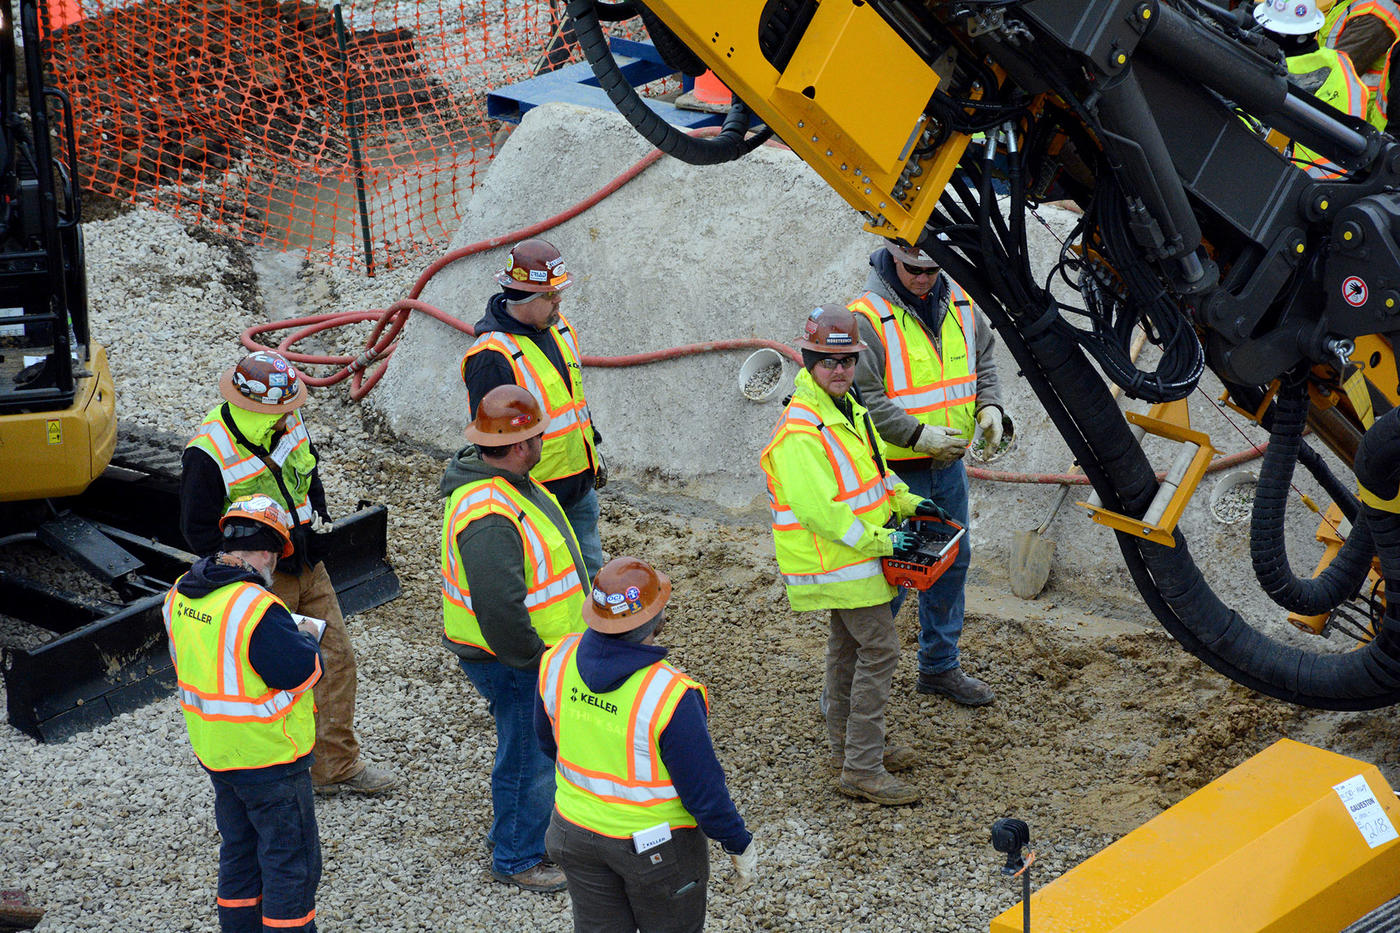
[1102, 721]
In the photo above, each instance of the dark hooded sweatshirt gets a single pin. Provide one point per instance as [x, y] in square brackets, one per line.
[493, 559]
[604, 664]
[485, 371]
[280, 654]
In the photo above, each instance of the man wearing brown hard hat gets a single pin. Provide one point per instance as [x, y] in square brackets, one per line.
[511, 588]
[637, 785]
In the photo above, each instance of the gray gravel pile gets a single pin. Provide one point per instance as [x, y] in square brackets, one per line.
[1102, 721]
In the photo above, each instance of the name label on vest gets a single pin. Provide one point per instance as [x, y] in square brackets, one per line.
[576, 696]
[190, 612]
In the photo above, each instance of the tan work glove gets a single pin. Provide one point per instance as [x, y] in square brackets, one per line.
[942, 443]
[989, 420]
[745, 867]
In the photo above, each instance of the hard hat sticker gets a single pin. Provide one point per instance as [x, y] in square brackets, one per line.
[519, 275]
[614, 599]
[633, 593]
[1354, 291]
[600, 597]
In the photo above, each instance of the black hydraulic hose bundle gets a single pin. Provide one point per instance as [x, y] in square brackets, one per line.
[1268, 550]
[729, 145]
[1378, 470]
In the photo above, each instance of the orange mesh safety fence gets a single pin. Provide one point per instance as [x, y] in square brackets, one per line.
[248, 117]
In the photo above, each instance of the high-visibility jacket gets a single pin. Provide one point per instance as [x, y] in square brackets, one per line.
[608, 774]
[554, 598]
[568, 441]
[235, 720]
[933, 388]
[1339, 87]
[830, 498]
[1337, 18]
[246, 474]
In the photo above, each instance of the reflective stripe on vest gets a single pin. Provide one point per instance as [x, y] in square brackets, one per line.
[244, 472]
[608, 780]
[1341, 89]
[554, 595]
[941, 393]
[235, 720]
[1388, 12]
[568, 447]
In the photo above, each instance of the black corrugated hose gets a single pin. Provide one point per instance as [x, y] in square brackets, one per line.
[1268, 548]
[729, 145]
[1378, 469]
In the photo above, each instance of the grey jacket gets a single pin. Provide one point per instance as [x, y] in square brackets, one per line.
[890, 420]
[493, 560]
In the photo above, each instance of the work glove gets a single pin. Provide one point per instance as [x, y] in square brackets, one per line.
[989, 420]
[600, 470]
[745, 867]
[904, 541]
[931, 509]
[941, 442]
[321, 520]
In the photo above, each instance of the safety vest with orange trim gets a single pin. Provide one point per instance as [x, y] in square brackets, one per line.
[608, 774]
[244, 472]
[234, 719]
[568, 440]
[554, 594]
[1341, 88]
[829, 500]
[934, 389]
[1342, 14]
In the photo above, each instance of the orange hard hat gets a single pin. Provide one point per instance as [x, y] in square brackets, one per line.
[831, 329]
[534, 266]
[247, 511]
[627, 593]
[507, 415]
[264, 382]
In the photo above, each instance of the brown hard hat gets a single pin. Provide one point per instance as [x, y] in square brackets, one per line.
[911, 255]
[831, 329]
[264, 382]
[507, 415]
[626, 593]
[534, 266]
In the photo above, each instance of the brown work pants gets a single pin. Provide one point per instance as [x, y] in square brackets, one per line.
[862, 652]
[337, 749]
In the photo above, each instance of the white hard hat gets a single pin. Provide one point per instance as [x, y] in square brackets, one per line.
[1289, 17]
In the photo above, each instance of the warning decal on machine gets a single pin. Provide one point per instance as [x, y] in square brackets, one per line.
[1354, 290]
[1366, 811]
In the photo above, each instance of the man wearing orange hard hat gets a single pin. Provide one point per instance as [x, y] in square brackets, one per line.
[638, 787]
[511, 588]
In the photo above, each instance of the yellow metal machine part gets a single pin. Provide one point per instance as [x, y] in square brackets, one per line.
[835, 102]
[59, 453]
[1269, 847]
[1331, 531]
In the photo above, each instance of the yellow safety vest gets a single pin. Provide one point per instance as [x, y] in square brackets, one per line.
[608, 774]
[1336, 20]
[568, 441]
[1341, 89]
[245, 473]
[841, 482]
[554, 598]
[933, 389]
[235, 720]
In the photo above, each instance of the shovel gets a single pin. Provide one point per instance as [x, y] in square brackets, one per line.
[1031, 551]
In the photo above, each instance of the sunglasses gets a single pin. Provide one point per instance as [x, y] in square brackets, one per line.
[916, 271]
[836, 362]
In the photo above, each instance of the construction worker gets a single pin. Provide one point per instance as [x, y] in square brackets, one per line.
[523, 340]
[1292, 25]
[637, 783]
[245, 670]
[256, 442]
[930, 381]
[1363, 30]
[832, 498]
[510, 589]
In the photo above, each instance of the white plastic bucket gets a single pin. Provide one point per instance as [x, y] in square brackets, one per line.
[761, 375]
[1232, 499]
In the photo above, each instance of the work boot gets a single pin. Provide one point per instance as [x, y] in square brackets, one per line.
[897, 758]
[953, 683]
[368, 782]
[544, 878]
[882, 788]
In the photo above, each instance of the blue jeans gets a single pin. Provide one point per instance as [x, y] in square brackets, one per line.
[522, 779]
[582, 514]
[270, 857]
[941, 605]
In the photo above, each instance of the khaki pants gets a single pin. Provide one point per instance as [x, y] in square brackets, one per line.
[337, 749]
[862, 653]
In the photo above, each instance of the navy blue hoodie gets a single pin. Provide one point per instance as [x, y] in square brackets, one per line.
[604, 664]
[282, 656]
